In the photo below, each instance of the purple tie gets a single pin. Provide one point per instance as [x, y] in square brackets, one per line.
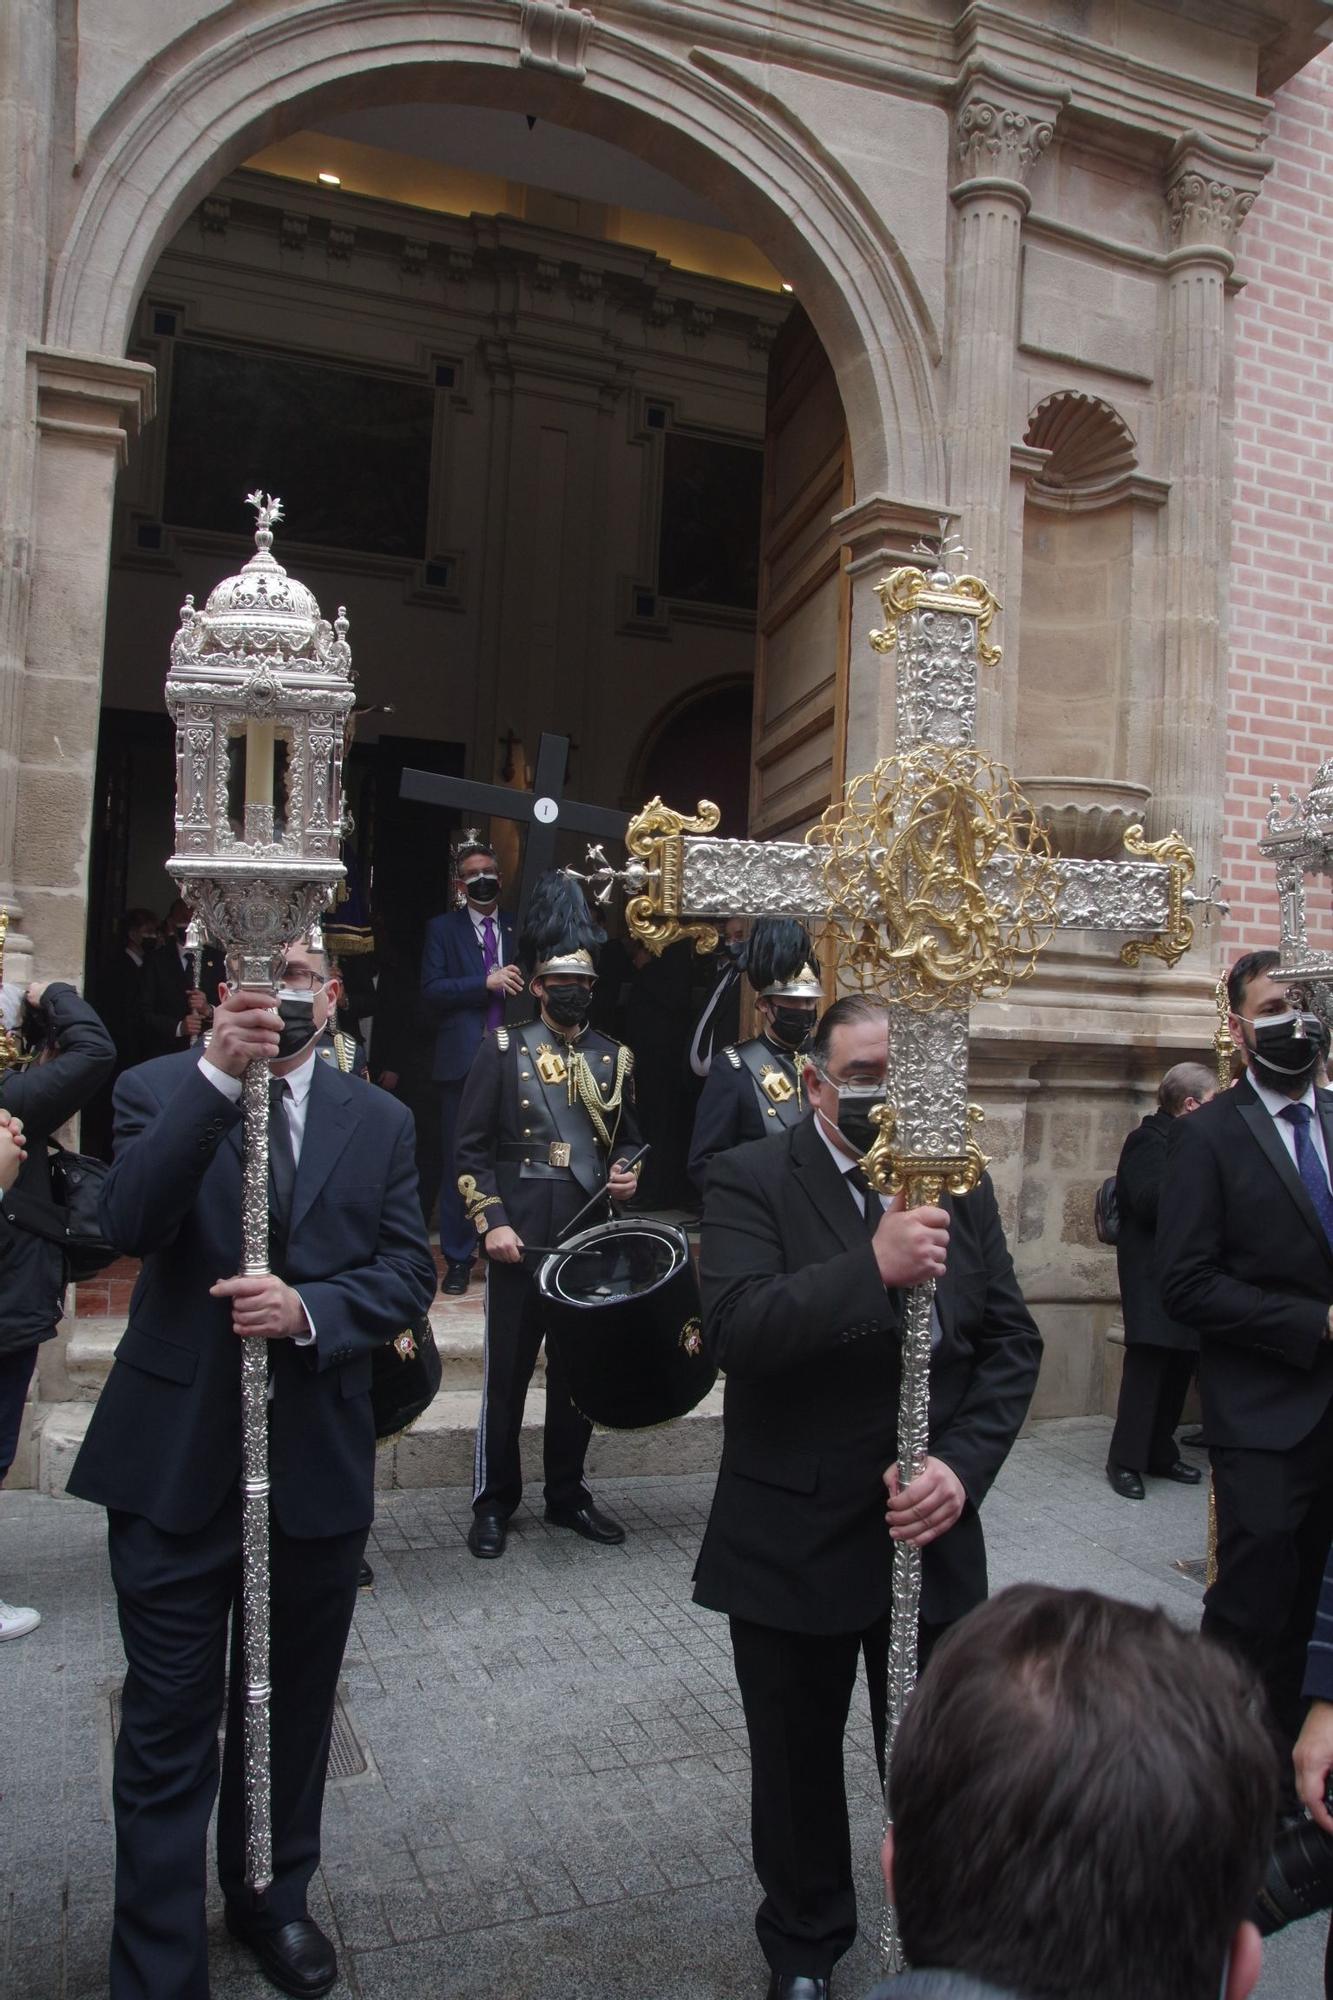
[495, 1011]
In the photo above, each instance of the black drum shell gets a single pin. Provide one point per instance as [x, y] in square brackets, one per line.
[636, 1361]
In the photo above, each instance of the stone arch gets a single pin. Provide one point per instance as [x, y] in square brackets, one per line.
[231, 85]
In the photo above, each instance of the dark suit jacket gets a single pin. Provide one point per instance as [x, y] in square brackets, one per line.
[1138, 1181]
[165, 985]
[796, 1315]
[454, 990]
[1242, 1258]
[165, 1437]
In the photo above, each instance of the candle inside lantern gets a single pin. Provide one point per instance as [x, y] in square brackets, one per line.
[259, 763]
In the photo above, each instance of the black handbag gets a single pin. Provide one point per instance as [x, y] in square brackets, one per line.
[404, 1377]
[1106, 1211]
[69, 1218]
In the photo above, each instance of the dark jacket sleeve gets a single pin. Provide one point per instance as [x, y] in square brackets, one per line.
[444, 992]
[356, 1311]
[1006, 1358]
[163, 1148]
[49, 1092]
[477, 1137]
[716, 1124]
[1140, 1174]
[1318, 1683]
[1196, 1285]
[760, 1317]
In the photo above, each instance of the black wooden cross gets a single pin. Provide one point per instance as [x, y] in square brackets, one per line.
[544, 809]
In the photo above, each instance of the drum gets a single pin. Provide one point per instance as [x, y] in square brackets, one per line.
[622, 1312]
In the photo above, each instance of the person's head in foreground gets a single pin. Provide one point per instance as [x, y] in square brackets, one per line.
[1083, 1800]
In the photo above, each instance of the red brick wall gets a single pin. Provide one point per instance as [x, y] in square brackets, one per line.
[1280, 694]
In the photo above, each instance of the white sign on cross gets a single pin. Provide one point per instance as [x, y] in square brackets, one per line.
[935, 882]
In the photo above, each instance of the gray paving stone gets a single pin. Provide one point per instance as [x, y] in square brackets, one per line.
[556, 1805]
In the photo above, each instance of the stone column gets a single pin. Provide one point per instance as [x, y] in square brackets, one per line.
[1002, 126]
[28, 59]
[86, 406]
[1209, 192]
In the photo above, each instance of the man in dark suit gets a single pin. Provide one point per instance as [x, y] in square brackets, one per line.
[803, 1273]
[1159, 1351]
[1245, 1256]
[351, 1268]
[467, 974]
[177, 1005]
[547, 1121]
[753, 1088]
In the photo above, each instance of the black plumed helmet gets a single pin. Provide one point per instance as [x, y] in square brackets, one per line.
[780, 959]
[559, 934]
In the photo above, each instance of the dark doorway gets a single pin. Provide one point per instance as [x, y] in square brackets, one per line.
[703, 752]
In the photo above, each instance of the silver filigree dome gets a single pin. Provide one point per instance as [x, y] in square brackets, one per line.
[262, 614]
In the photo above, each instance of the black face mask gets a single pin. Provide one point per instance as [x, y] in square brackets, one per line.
[567, 1006]
[482, 888]
[298, 1022]
[1284, 1048]
[791, 1025]
[180, 935]
[854, 1109]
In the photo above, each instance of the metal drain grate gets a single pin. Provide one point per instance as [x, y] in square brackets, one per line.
[347, 1758]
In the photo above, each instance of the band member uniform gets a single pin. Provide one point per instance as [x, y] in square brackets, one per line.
[546, 1120]
[753, 1088]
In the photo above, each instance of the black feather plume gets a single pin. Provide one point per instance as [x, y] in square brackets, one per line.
[558, 921]
[778, 948]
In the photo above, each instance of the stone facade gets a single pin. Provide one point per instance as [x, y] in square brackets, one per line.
[1016, 238]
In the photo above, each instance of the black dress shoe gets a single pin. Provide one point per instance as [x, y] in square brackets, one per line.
[1184, 1475]
[1193, 1436]
[586, 1521]
[1125, 1481]
[296, 1957]
[365, 1576]
[488, 1533]
[457, 1278]
[797, 1986]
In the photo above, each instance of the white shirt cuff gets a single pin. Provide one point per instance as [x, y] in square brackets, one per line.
[306, 1339]
[230, 1086]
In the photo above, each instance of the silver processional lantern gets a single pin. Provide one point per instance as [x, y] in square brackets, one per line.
[1301, 847]
[260, 690]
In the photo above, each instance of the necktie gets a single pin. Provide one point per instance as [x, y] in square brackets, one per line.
[1309, 1165]
[490, 957]
[281, 1170]
[871, 1205]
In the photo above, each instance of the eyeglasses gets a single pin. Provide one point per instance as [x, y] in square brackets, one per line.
[301, 979]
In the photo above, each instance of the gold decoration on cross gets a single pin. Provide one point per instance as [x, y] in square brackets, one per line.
[653, 838]
[938, 879]
[921, 1177]
[906, 590]
[1177, 854]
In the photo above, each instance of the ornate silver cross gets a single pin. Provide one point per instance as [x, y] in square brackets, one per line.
[935, 881]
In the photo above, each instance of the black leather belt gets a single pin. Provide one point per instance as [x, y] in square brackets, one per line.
[534, 1153]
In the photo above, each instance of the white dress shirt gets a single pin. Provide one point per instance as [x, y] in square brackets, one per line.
[1275, 1104]
[295, 1105]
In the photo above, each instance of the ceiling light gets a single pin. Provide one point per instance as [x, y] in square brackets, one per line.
[785, 286]
[335, 181]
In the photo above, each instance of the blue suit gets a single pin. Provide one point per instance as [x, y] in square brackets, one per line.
[456, 998]
[163, 1456]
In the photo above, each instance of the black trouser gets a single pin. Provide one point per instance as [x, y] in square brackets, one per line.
[1274, 1526]
[796, 1689]
[514, 1333]
[1153, 1388]
[174, 1594]
[15, 1374]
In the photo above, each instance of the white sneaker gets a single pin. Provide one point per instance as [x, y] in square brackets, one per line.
[16, 1619]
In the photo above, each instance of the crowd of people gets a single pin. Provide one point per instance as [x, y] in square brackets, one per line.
[1086, 1801]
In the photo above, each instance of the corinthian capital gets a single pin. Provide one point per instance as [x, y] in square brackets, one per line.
[1002, 126]
[1210, 190]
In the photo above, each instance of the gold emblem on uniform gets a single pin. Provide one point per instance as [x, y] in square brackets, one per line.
[405, 1346]
[692, 1338]
[777, 1086]
[551, 1064]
